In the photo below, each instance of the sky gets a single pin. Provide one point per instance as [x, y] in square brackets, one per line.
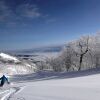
[32, 23]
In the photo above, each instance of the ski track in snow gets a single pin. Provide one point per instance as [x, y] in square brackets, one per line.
[7, 93]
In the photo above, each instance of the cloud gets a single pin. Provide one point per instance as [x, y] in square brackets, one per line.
[28, 11]
[21, 14]
[5, 11]
[13, 16]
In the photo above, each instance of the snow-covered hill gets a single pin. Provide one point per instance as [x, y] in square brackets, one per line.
[12, 65]
[7, 57]
[77, 88]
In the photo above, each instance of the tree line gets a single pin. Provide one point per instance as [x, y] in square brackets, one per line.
[80, 54]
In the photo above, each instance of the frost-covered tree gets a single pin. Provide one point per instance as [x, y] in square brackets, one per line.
[66, 56]
[83, 53]
[83, 45]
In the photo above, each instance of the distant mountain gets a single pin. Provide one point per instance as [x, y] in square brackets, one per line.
[40, 53]
[46, 49]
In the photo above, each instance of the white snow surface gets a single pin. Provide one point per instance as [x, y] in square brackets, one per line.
[78, 88]
[16, 66]
[8, 57]
[13, 69]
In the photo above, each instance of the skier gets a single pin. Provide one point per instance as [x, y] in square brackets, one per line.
[3, 80]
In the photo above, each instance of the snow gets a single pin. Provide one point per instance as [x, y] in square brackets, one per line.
[8, 57]
[6, 91]
[13, 69]
[10, 91]
[78, 88]
[12, 65]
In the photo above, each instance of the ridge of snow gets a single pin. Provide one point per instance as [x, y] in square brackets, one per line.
[8, 57]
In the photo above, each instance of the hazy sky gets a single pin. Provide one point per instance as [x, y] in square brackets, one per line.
[33, 23]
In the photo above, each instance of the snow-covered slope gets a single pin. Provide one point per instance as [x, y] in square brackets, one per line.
[12, 65]
[79, 88]
[43, 75]
[13, 69]
[7, 57]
